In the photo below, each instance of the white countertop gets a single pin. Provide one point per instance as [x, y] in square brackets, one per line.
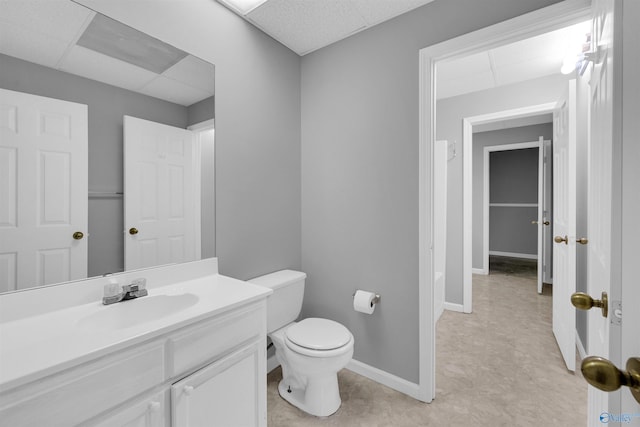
[35, 346]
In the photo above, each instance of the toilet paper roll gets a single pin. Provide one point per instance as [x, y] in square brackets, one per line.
[363, 302]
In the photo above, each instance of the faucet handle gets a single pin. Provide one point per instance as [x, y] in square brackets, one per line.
[139, 286]
[111, 290]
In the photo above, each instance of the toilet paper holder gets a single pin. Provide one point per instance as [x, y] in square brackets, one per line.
[375, 300]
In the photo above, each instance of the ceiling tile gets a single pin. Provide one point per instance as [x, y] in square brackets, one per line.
[194, 72]
[468, 66]
[93, 65]
[173, 91]
[307, 25]
[446, 88]
[376, 11]
[27, 45]
[59, 19]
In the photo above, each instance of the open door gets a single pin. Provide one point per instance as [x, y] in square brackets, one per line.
[564, 225]
[161, 194]
[43, 184]
[547, 214]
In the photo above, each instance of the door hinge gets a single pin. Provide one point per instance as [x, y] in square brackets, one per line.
[616, 310]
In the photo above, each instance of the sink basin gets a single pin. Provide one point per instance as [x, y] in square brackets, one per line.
[127, 314]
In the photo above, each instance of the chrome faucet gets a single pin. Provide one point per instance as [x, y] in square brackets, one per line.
[113, 294]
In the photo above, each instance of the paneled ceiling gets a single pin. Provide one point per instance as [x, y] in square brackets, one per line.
[307, 25]
[524, 60]
[68, 37]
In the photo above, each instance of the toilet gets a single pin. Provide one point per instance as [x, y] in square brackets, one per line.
[310, 352]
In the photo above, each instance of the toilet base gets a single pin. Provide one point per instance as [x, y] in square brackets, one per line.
[321, 397]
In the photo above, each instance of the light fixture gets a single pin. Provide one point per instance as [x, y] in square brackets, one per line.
[243, 7]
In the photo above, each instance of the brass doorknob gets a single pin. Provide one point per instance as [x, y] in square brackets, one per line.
[78, 235]
[582, 240]
[133, 231]
[534, 222]
[582, 301]
[559, 239]
[604, 375]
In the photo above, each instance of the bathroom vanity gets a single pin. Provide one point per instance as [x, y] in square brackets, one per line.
[192, 352]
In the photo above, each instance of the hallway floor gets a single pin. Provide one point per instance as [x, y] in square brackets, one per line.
[499, 366]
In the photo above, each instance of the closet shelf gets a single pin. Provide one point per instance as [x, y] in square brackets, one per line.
[104, 194]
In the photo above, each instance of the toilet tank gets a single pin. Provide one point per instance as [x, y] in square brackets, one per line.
[284, 305]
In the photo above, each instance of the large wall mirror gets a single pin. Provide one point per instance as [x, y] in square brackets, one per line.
[143, 98]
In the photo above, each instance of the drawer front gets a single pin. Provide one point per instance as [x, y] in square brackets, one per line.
[204, 343]
[72, 397]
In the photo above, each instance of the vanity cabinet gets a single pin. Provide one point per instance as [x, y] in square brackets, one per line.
[226, 393]
[211, 372]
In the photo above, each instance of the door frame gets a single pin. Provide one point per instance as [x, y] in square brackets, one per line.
[487, 150]
[521, 27]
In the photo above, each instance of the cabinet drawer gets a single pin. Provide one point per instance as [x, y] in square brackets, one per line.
[204, 343]
[72, 397]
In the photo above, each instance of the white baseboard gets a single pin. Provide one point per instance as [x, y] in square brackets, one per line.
[514, 255]
[272, 363]
[480, 271]
[454, 307]
[581, 350]
[384, 378]
[374, 374]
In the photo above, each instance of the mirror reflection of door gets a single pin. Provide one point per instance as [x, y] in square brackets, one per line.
[161, 194]
[43, 190]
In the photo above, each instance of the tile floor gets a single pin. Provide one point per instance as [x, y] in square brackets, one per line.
[499, 366]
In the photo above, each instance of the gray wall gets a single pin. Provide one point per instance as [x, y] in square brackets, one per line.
[513, 178]
[499, 137]
[450, 113]
[360, 174]
[257, 127]
[106, 104]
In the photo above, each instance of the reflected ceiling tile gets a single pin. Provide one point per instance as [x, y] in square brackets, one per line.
[117, 40]
[34, 47]
[93, 65]
[173, 91]
[307, 25]
[194, 72]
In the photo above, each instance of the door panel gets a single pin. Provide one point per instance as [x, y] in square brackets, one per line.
[564, 225]
[599, 223]
[43, 186]
[160, 194]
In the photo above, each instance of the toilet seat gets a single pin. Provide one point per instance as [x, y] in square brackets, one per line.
[318, 337]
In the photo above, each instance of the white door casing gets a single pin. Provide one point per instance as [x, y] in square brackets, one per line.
[160, 191]
[564, 224]
[43, 190]
[441, 160]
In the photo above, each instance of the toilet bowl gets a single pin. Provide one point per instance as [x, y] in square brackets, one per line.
[310, 363]
[310, 352]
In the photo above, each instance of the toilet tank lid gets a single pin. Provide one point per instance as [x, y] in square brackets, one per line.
[278, 278]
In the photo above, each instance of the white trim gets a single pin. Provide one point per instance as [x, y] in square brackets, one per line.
[382, 377]
[480, 271]
[514, 255]
[207, 124]
[582, 353]
[513, 205]
[531, 24]
[454, 307]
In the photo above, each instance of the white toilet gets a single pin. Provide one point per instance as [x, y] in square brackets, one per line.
[311, 351]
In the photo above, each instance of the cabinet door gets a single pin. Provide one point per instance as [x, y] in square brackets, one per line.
[229, 392]
[148, 412]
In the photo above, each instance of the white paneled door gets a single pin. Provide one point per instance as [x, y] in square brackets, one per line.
[161, 184]
[43, 190]
[564, 224]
